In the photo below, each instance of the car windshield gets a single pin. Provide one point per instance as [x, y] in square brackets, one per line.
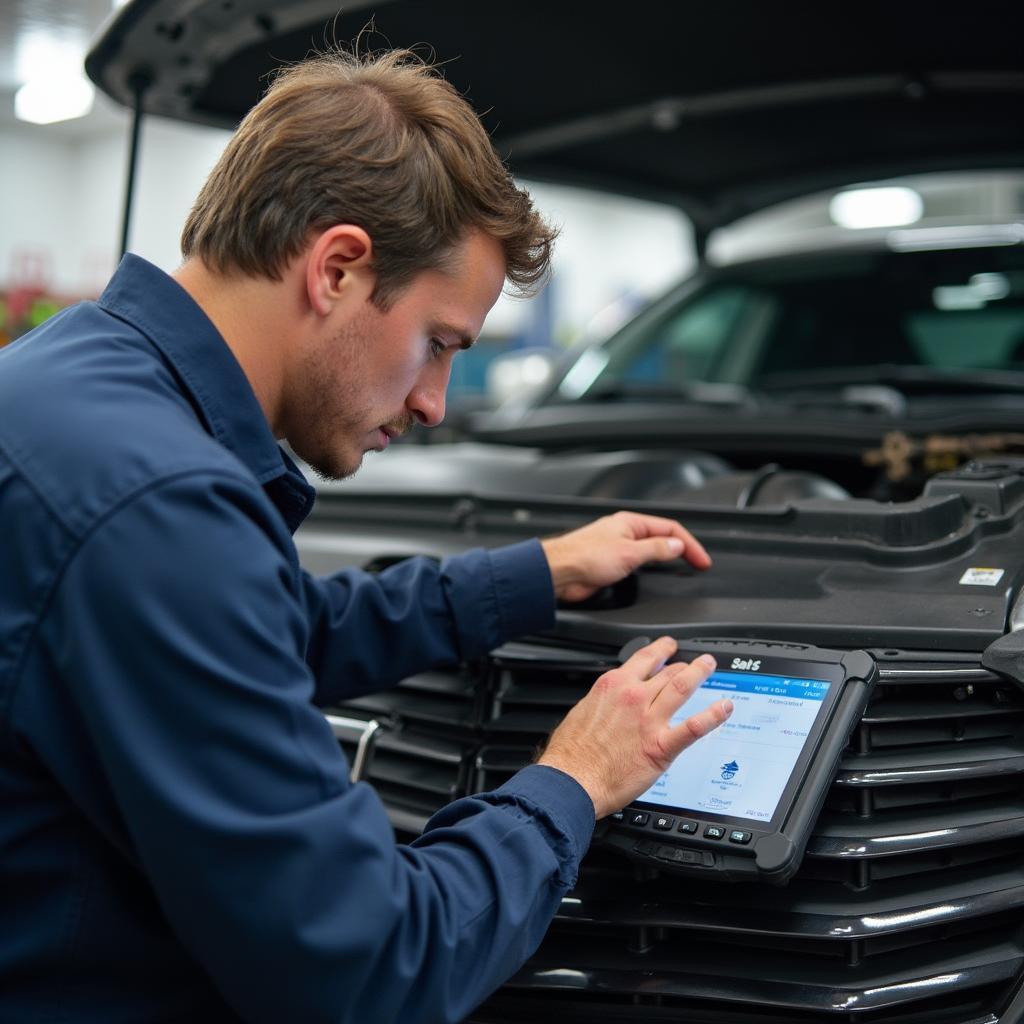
[918, 318]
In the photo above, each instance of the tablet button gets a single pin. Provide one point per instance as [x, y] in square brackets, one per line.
[689, 827]
[714, 832]
[676, 856]
[619, 816]
[663, 824]
[739, 836]
[639, 818]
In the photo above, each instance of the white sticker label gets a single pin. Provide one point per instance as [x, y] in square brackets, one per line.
[982, 577]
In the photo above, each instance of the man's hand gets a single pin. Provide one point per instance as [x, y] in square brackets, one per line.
[612, 547]
[617, 740]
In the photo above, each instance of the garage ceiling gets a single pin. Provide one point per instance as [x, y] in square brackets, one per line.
[722, 109]
[31, 29]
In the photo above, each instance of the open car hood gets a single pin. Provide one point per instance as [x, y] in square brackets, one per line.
[721, 109]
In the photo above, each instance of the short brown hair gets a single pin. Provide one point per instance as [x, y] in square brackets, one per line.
[380, 141]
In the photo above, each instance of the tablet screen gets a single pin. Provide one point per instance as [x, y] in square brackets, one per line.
[742, 768]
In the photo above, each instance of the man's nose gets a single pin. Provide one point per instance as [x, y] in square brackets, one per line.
[427, 399]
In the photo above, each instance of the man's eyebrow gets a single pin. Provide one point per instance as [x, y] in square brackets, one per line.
[465, 340]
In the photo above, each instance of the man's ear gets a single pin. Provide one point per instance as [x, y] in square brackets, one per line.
[338, 268]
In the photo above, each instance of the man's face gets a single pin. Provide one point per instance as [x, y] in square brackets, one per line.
[378, 373]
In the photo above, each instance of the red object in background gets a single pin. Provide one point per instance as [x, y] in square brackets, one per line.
[30, 268]
[30, 278]
[19, 302]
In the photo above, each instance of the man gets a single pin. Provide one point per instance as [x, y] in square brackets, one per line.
[178, 836]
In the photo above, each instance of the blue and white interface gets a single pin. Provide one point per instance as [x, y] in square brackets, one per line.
[742, 768]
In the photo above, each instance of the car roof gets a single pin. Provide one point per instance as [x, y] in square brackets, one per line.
[722, 109]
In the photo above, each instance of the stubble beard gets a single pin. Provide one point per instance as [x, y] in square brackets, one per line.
[331, 427]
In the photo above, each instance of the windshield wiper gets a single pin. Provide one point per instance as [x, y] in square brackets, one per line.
[906, 379]
[700, 392]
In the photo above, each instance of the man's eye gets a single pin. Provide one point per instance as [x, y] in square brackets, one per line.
[436, 347]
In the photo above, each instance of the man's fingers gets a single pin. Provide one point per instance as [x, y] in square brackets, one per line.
[680, 682]
[642, 525]
[656, 549]
[693, 550]
[698, 725]
[648, 660]
[661, 539]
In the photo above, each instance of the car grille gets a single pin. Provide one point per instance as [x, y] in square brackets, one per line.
[907, 905]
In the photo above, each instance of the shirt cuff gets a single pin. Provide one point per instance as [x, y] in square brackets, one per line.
[525, 591]
[562, 806]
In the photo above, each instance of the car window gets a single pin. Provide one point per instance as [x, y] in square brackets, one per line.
[974, 339]
[945, 310]
[687, 344]
[711, 336]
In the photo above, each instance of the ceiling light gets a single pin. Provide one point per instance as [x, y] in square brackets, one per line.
[54, 98]
[48, 63]
[876, 207]
[976, 294]
[975, 236]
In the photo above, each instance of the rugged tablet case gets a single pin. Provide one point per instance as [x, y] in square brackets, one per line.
[776, 857]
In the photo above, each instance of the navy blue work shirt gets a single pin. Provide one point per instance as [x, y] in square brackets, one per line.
[179, 840]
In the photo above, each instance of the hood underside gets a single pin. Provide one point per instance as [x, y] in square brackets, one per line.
[721, 109]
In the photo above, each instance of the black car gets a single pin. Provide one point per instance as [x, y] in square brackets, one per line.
[844, 429]
[852, 488]
[874, 363]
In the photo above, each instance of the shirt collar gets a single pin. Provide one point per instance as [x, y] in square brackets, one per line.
[155, 304]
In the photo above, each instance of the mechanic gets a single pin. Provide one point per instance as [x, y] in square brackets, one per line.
[178, 836]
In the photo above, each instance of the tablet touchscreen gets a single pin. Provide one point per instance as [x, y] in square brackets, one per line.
[742, 769]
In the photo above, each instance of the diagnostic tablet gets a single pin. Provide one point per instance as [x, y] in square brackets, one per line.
[741, 802]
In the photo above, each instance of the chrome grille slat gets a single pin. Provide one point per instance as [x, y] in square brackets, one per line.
[883, 714]
[930, 766]
[876, 919]
[949, 827]
[443, 699]
[832, 991]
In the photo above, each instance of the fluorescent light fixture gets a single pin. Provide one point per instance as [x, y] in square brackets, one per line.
[48, 63]
[952, 297]
[980, 290]
[990, 287]
[975, 236]
[887, 207]
[52, 98]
